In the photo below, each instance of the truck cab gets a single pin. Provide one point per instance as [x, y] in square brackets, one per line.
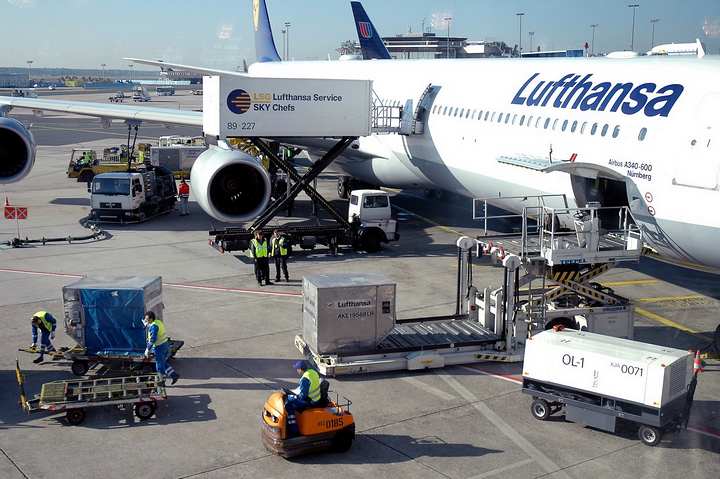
[370, 211]
[116, 196]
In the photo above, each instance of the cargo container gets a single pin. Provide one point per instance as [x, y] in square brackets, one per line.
[598, 379]
[348, 312]
[104, 315]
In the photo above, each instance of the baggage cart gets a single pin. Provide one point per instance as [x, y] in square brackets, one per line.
[82, 362]
[75, 396]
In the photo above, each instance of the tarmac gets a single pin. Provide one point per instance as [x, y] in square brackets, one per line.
[458, 422]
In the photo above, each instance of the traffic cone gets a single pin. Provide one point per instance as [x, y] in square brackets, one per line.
[697, 363]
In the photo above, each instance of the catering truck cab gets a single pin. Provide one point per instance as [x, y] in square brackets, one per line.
[132, 197]
[371, 208]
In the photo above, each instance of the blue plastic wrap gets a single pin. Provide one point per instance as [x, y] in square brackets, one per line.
[113, 321]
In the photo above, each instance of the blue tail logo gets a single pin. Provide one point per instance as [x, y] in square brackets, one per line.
[265, 49]
[365, 29]
[371, 44]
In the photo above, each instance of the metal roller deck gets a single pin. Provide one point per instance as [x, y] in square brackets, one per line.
[434, 335]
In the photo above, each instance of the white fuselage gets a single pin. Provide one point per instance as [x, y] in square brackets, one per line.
[648, 123]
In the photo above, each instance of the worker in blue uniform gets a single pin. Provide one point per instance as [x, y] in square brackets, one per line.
[305, 395]
[45, 322]
[159, 344]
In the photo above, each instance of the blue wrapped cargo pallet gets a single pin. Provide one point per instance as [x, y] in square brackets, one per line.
[104, 315]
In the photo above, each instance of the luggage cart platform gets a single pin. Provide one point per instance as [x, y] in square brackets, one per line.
[421, 344]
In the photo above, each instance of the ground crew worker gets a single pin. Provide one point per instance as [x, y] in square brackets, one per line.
[305, 395]
[46, 323]
[158, 343]
[259, 250]
[184, 195]
[279, 250]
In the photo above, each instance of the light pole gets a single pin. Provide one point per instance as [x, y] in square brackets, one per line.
[284, 57]
[592, 45]
[287, 40]
[103, 65]
[447, 44]
[531, 34]
[29, 64]
[634, 7]
[132, 72]
[652, 42]
[520, 15]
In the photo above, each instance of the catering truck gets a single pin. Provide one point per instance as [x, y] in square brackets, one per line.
[599, 380]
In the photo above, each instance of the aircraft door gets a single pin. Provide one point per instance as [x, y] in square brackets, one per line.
[699, 164]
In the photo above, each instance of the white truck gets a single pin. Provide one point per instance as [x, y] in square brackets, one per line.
[369, 224]
[599, 379]
[177, 153]
[132, 197]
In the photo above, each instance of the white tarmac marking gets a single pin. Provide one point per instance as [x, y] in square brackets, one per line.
[169, 285]
[545, 462]
[430, 389]
[499, 470]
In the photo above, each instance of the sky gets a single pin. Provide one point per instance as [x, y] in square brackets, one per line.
[217, 33]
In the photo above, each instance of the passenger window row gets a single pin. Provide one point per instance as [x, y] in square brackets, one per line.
[534, 121]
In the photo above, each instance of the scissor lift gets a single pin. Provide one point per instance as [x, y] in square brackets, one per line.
[564, 250]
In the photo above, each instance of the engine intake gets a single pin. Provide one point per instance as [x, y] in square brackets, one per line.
[230, 185]
[17, 150]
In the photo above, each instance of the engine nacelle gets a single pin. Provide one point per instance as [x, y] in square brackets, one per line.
[17, 150]
[230, 185]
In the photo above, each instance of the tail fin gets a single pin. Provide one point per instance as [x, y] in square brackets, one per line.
[265, 49]
[371, 44]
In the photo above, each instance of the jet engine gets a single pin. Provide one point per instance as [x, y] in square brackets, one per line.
[230, 185]
[17, 150]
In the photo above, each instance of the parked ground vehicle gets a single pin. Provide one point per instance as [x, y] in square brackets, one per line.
[85, 163]
[117, 97]
[177, 153]
[165, 90]
[132, 197]
[369, 224]
[600, 380]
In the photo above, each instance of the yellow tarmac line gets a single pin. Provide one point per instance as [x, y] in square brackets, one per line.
[629, 282]
[667, 322]
[429, 221]
[660, 299]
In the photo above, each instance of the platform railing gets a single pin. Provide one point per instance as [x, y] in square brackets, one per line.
[591, 230]
[480, 207]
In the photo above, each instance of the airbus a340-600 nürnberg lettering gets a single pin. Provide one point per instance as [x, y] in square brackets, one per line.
[639, 132]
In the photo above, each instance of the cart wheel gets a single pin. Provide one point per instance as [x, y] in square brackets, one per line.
[145, 410]
[75, 416]
[540, 409]
[649, 435]
[79, 368]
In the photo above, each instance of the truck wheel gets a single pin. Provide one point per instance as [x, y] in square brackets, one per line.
[79, 368]
[343, 187]
[145, 410]
[540, 409]
[371, 241]
[75, 417]
[649, 435]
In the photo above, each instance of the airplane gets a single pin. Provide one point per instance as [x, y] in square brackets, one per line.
[640, 132]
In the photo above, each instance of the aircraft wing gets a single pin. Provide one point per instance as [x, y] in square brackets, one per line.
[103, 110]
[188, 68]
